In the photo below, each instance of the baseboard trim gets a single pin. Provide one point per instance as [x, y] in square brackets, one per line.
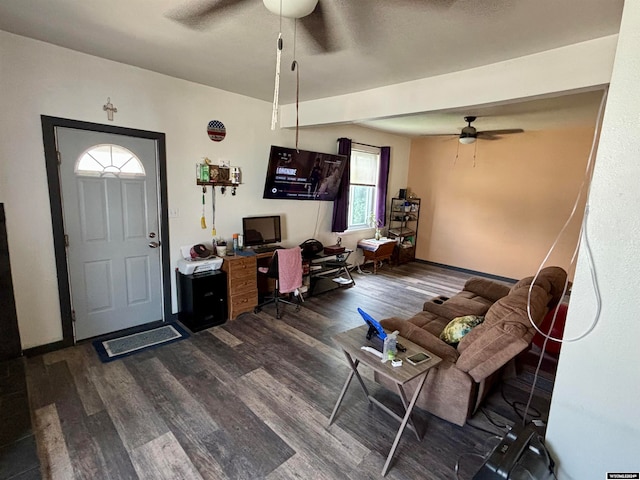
[46, 348]
[52, 347]
[467, 271]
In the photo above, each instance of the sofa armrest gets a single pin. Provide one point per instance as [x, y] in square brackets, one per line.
[492, 347]
[421, 337]
[488, 289]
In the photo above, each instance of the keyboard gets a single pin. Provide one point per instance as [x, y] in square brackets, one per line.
[266, 249]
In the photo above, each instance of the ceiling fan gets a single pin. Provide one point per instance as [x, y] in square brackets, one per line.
[469, 134]
[309, 13]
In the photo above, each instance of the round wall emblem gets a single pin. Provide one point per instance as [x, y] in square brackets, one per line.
[216, 130]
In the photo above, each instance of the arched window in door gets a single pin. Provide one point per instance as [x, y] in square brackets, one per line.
[109, 160]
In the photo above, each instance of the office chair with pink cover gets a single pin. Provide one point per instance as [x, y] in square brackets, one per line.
[286, 268]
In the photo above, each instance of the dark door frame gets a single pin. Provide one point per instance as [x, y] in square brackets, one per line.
[49, 124]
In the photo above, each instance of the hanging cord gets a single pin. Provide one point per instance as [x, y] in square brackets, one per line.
[276, 88]
[294, 64]
[315, 229]
[203, 221]
[584, 187]
[213, 211]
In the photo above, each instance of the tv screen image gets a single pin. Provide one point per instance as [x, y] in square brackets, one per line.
[261, 230]
[303, 175]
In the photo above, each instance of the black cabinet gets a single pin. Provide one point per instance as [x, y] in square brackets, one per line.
[202, 299]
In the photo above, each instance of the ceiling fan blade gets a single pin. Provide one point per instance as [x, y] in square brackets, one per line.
[501, 132]
[317, 26]
[197, 15]
[440, 135]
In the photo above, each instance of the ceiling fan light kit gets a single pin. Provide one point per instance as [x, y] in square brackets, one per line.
[469, 134]
[291, 8]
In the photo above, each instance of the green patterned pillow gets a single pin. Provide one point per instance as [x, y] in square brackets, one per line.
[459, 327]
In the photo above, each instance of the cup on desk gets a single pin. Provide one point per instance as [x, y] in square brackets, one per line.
[221, 250]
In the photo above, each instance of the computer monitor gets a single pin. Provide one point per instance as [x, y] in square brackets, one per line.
[262, 230]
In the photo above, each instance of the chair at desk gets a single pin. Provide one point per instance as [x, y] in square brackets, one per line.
[286, 268]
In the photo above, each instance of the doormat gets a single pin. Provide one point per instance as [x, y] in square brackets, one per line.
[115, 348]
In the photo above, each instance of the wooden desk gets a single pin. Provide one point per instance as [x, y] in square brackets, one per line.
[350, 342]
[242, 281]
[376, 251]
[242, 285]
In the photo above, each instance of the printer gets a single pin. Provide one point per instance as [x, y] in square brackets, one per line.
[192, 267]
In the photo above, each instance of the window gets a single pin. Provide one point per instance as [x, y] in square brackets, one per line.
[365, 163]
[109, 160]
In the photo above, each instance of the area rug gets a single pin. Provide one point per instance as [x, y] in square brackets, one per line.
[115, 348]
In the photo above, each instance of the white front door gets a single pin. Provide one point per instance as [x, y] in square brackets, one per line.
[109, 187]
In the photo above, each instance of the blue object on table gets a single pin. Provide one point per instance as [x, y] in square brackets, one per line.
[374, 325]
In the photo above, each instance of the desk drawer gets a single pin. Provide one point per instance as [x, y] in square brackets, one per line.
[239, 265]
[242, 283]
[244, 302]
[242, 274]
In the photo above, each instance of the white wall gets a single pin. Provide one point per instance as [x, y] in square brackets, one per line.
[594, 424]
[576, 67]
[41, 79]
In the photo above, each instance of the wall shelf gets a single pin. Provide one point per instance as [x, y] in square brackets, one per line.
[217, 176]
[217, 184]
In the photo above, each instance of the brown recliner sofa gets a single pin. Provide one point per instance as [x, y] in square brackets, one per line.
[456, 387]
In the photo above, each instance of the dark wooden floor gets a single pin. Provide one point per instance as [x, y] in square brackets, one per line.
[251, 399]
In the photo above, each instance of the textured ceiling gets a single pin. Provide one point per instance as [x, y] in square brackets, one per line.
[377, 42]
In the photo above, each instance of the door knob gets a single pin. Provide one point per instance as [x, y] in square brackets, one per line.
[154, 244]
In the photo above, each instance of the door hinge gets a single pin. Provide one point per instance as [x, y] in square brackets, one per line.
[66, 240]
[59, 157]
[73, 315]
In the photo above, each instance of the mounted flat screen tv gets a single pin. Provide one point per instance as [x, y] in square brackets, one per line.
[302, 175]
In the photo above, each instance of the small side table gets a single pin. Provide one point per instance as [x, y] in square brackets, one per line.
[350, 342]
[377, 250]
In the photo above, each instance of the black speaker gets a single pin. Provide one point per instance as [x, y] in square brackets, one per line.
[403, 193]
[521, 454]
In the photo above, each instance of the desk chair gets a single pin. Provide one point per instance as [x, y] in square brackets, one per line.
[285, 267]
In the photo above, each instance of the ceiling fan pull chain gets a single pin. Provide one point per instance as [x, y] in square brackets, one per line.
[295, 37]
[276, 89]
[294, 67]
[475, 149]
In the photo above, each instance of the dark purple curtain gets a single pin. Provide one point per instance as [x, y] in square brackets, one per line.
[383, 181]
[340, 220]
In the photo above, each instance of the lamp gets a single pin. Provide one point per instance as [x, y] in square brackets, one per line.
[468, 134]
[291, 8]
